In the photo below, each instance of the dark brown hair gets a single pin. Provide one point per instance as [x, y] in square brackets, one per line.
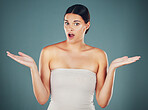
[80, 10]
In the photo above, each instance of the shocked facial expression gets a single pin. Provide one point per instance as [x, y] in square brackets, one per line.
[75, 26]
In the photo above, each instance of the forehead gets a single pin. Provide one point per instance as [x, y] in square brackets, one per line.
[72, 17]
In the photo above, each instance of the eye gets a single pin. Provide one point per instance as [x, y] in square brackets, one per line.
[66, 23]
[77, 24]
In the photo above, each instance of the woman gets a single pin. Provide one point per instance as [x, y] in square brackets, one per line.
[71, 70]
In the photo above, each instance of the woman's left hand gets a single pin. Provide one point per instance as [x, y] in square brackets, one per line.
[124, 61]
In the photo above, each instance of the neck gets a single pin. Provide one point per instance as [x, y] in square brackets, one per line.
[75, 46]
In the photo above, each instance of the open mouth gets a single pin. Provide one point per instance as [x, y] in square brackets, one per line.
[71, 35]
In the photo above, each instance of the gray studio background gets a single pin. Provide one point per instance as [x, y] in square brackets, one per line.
[118, 27]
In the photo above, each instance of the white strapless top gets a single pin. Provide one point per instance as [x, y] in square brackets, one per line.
[72, 89]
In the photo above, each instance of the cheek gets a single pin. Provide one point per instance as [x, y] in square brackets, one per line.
[79, 28]
[65, 28]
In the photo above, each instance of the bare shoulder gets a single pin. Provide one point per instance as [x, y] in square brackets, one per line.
[54, 46]
[101, 55]
[48, 52]
[50, 48]
[98, 51]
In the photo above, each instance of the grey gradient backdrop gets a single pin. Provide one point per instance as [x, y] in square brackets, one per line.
[119, 27]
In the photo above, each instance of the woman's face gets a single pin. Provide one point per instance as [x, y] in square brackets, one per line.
[75, 26]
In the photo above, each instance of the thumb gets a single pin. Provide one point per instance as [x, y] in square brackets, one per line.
[22, 54]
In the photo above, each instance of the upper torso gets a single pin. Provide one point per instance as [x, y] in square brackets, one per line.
[63, 58]
[72, 88]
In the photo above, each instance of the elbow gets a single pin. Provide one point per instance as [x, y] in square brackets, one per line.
[42, 102]
[103, 105]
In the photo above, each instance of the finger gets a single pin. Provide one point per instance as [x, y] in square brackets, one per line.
[134, 58]
[125, 57]
[15, 57]
[122, 59]
[22, 54]
[131, 60]
[8, 52]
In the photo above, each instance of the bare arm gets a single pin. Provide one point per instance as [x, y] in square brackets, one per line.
[40, 91]
[106, 92]
[40, 79]
[105, 78]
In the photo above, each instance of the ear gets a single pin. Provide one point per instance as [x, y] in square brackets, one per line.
[88, 25]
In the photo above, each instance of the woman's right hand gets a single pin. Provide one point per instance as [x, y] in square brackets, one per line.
[23, 59]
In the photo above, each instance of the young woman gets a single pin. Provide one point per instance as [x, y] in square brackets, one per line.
[71, 71]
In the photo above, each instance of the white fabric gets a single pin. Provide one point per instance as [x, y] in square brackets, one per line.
[72, 89]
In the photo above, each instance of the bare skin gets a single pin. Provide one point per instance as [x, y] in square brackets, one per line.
[73, 53]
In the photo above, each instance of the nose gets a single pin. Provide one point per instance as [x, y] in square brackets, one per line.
[70, 28]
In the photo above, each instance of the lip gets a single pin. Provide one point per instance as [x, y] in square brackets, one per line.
[71, 33]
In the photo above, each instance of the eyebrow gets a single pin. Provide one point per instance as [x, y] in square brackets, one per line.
[74, 20]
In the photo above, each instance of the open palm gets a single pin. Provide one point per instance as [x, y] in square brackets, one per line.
[23, 59]
[124, 61]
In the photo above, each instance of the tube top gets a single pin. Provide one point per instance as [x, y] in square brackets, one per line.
[72, 89]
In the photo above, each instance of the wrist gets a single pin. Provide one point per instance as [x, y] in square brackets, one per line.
[112, 68]
[33, 67]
